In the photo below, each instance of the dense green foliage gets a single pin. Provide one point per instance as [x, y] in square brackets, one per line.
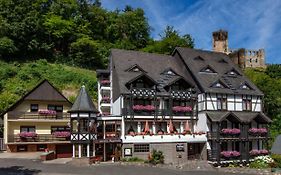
[269, 82]
[76, 32]
[169, 40]
[16, 79]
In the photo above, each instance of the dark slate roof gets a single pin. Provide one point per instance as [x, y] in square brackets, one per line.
[276, 147]
[83, 102]
[242, 116]
[152, 65]
[44, 91]
[196, 60]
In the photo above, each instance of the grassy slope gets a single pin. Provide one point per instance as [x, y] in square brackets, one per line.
[16, 79]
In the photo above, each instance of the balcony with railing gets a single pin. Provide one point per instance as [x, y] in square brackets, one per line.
[225, 134]
[105, 83]
[18, 138]
[38, 115]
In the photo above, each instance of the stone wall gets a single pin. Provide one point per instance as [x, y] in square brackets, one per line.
[172, 156]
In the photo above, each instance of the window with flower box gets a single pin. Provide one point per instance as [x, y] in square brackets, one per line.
[141, 148]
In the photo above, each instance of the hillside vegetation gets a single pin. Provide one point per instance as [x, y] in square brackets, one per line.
[77, 32]
[16, 79]
[269, 81]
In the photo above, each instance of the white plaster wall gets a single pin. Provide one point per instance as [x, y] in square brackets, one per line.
[201, 123]
[239, 104]
[116, 106]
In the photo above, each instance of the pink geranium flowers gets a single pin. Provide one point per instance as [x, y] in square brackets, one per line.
[47, 112]
[182, 108]
[63, 134]
[257, 131]
[105, 82]
[256, 152]
[230, 131]
[229, 154]
[143, 108]
[28, 134]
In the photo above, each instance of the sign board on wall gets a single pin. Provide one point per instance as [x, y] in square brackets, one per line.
[180, 147]
[127, 151]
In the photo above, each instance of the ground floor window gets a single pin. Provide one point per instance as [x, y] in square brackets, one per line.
[21, 148]
[141, 148]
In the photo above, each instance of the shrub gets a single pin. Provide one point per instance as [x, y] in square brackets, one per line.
[261, 162]
[156, 157]
[277, 159]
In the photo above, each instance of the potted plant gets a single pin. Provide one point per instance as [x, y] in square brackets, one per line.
[257, 131]
[27, 135]
[182, 109]
[229, 131]
[230, 154]
[47, 112]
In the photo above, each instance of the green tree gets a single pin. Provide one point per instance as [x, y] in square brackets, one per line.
[170, 39]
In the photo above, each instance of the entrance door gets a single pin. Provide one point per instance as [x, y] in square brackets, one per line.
[194, 150]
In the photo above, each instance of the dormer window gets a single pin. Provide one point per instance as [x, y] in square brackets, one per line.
[245, 86]
[169, 71]
[135, 68]
[208, 69]
[233, 72]
[218, 84]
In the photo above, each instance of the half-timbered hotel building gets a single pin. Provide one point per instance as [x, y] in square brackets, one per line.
[193, 104]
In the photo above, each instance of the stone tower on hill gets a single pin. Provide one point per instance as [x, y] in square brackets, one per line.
[242, 57]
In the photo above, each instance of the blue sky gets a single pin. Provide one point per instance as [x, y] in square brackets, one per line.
[251, 24]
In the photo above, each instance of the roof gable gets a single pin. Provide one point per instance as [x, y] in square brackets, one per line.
[45, 92]
[245, 86]
[83, 102]
[233, 72]
[169, 71]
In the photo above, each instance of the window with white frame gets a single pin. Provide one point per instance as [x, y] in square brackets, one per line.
[247, 103]
[222, 102]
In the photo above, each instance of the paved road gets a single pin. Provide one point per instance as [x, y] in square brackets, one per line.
[32, 167]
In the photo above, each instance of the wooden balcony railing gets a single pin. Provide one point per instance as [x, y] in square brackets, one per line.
[37, 116]
[38, 138]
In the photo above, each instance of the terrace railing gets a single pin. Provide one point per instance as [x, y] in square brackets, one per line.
[38, 138]
[37, 116]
